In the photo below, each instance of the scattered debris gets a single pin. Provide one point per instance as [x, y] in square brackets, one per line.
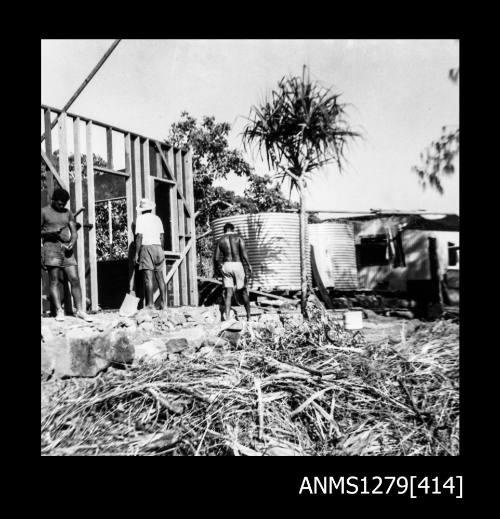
[321, 390]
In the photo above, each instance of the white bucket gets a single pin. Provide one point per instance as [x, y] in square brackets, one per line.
[353, 320]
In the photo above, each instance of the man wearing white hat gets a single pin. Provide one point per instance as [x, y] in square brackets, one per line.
[149, 253]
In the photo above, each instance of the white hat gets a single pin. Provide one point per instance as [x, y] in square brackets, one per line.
[145, 205]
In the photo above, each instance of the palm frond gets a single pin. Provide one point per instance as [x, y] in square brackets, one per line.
[301, 126]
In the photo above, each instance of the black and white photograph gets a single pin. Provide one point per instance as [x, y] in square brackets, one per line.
[251, 247]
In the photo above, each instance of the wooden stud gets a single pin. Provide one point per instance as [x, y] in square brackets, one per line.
[64, 173]
[191, 257]
[146, 169]
[183, 282]
[94, 298]
[129, 188]
[174, 227]
[137, 170]
[110, 222]
[169, 169]
[80, 243]
[158, 165]
[63, 150]
[109, 147]
[48, 151]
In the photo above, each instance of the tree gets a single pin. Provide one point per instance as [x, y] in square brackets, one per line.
[264, 196]
[439, 157]
[300, 128]
[213, 159]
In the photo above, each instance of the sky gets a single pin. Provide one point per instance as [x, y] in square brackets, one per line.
[398, 92]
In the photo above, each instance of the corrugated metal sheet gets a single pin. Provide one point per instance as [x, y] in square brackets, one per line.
[335, 254]
[272, 242]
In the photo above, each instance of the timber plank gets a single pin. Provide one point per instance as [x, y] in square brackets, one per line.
[80, 243]
[48, 151]
[183, 281]
[94, 297]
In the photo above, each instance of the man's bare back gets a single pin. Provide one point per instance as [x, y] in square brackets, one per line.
[229, 247]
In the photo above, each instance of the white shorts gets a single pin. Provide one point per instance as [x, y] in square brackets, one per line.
[233, 274]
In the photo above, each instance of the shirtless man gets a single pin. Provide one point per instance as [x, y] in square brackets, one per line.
[229, 251]
[59, 237]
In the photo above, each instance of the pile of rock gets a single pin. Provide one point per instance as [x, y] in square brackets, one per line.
[76, 349]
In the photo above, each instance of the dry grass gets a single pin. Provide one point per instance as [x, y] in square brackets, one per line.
[312, 390]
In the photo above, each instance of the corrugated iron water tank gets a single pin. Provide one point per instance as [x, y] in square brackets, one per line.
[335, 254]
[272, 242]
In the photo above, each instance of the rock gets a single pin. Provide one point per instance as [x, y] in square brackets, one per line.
[83, 353]
[271, 322]
[147, 326]
[115, 347]
[405, 314]
[231, 331]
[177, 319]
[212, 341]
[211, 314]
[126, 322]
[144, 315]
[176, 345]
[231, 325]
[151, 351]
[231, 337]
[131, 331]
[194, 337]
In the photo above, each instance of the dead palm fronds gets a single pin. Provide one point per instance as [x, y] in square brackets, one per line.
[312, 389]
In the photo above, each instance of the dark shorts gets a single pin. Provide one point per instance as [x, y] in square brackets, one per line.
[54, 255]
[151, 257]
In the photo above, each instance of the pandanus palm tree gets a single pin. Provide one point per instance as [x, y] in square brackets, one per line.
[299, 128]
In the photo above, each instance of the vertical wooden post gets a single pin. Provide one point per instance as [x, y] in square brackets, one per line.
[157, 167]
[110, 223]
[48, 151]
[129, 188]
[176, 244]
[191, 255]
[183, 282]
[137, 170]
[63, 150]
[129, 191]
[80, 243]
[64, 172]
[146, 169]
[94, 298]
[109, 148]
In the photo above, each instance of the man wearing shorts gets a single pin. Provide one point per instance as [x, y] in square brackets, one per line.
[149, 253]
[229, 251]
[59, 237]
